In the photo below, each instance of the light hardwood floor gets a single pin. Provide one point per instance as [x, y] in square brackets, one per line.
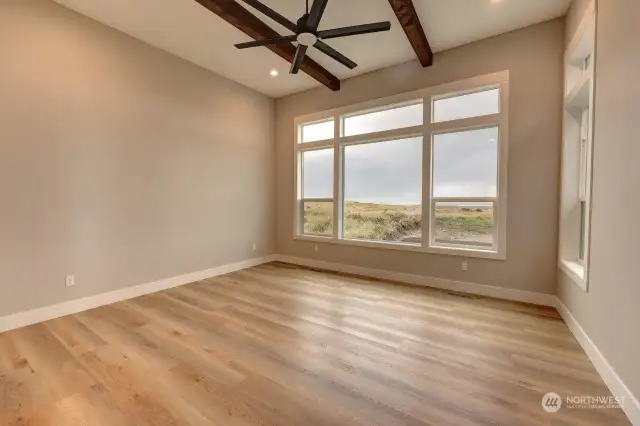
[281, 345]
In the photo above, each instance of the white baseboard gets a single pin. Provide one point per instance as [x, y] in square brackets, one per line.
[445, 284]
[34, 316]
[615, 384]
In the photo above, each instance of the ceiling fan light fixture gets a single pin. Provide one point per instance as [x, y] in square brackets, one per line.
[307, 39]
[306, 33]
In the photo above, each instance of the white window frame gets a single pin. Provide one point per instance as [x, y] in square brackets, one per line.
[427, 131]
[301, 197]
[578, 147]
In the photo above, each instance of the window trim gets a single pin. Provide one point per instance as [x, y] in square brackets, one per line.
[577, 188]
[426, 131]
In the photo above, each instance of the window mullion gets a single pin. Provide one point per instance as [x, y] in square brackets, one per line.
[496, 221]
[317, 200]
[500, 210]
[299, 216]
[426, 173]
[386, 135]
[468, 123]
[337, 179]
[465, 199]
[311, 146]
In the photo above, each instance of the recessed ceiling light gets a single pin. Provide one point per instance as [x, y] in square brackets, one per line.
[496, 1]
[274, 73]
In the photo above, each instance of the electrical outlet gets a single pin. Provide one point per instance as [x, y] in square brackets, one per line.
[315, 248]
[70, 280]
[465, 266]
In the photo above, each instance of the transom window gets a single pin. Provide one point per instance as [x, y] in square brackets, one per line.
[420, 171]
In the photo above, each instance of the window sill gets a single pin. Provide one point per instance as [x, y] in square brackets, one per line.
[463, 252]
[575, 271]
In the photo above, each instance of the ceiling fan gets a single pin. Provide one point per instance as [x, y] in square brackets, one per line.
[306, 33]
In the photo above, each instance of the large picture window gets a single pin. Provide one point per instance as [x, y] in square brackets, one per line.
[421, 171]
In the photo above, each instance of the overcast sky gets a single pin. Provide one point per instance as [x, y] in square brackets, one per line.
[391, 172]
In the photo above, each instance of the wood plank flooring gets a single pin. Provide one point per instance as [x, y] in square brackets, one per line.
[280, 345]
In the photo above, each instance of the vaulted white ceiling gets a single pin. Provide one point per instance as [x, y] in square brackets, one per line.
[186, 29]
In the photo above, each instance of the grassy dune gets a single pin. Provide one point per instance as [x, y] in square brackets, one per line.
[389, 222]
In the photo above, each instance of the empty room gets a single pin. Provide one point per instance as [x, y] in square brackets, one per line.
[319, 212]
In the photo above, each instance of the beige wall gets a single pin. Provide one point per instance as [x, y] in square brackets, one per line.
[534, 58]
[119, 162]
[609, 312]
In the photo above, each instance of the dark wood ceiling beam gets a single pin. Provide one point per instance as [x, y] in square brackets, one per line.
[408, 17]
[251, 25]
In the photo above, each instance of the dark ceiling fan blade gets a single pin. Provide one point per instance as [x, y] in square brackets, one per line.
[273, 15]
[328, 50]
[297, 60]
[315, 14]
[355, 30]
[265, 42]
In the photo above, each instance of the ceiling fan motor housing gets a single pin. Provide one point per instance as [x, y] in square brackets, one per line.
[302, 24]
[307, 39]
[305, 36]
